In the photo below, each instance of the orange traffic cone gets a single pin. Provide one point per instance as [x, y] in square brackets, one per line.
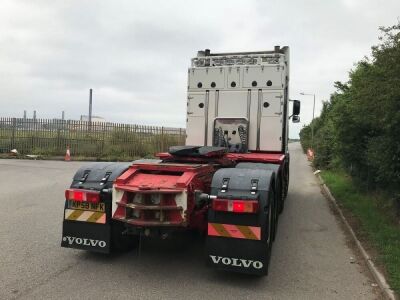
[67, 155]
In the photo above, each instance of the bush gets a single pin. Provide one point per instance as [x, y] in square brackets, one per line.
[359, 127]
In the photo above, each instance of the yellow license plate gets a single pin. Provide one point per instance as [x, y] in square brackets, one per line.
[101, 207]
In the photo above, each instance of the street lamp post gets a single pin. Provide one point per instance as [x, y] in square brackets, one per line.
[312, 123]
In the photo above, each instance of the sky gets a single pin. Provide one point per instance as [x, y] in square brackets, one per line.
[135, 54]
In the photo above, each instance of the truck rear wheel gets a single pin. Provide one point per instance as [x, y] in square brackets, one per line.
[278, 204]
[285, 186]
[270, 230]
[286, 179]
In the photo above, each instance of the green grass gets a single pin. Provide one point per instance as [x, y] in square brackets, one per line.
[378, 226]
[113, 145]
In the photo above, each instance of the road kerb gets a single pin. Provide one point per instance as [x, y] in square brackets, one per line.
[378, 276]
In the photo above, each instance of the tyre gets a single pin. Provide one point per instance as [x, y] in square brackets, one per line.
[269, 239]
[273, 231]
[286, 180]
[285, 186]
[281, 187]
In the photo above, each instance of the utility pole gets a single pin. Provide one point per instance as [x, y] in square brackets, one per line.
[312, 123]
[63, 115]
[90, 105]
[90, 109]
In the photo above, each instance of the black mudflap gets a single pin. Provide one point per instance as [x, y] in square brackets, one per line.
[90, 236]
[241, 242]
[86, 236]
[238, 255]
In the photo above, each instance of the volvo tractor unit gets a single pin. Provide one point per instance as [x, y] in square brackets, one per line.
[229, 181]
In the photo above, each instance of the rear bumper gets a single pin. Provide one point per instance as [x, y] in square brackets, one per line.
[86, 236]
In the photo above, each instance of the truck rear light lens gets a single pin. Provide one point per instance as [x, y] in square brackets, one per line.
[220, 205]
[246, 206]
[93, 197]
[82, 195]
[236, 206]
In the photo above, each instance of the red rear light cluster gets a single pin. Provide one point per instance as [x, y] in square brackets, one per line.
[236, 206]
[82, 195]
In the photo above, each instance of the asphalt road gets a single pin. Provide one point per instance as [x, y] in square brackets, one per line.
[311, 259]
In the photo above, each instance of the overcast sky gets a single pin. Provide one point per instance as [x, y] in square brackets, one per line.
[135, 54]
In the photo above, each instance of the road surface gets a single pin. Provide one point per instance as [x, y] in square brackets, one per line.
[311, 257]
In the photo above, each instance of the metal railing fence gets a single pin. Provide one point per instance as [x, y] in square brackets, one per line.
[52, 136]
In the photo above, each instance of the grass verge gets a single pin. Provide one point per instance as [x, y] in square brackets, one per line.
[379, 228]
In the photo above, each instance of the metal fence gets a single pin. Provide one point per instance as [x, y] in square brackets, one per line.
[51, 138]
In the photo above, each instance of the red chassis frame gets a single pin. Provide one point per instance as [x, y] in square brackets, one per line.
[176, 174]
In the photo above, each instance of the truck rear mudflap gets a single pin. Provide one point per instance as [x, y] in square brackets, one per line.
[86, 236]
[87, 220]
[234, 245]
[88, 223]
[238, 255]
[240, 220]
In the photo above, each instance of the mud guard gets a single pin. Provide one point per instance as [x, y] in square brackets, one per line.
[249, 257]
[279, 182]
[88, 235]
[241, 242]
